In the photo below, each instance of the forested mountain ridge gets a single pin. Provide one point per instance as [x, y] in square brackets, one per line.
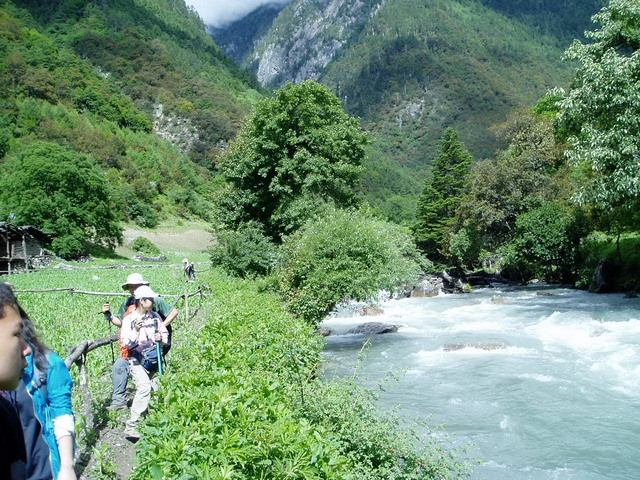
[109, 83]
[411, 68]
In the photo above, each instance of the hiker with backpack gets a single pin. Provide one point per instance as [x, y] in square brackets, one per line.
[142, 330]
[120, 371]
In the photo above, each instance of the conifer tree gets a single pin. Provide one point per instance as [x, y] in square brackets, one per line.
[442, 194]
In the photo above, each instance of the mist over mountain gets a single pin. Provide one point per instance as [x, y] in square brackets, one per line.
[218, 13]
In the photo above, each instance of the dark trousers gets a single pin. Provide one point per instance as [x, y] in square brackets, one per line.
[120, 378]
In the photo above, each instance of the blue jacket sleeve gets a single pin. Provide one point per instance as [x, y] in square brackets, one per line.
[59, 386]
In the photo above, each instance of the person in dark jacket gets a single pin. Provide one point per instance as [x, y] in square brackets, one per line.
[13, 353]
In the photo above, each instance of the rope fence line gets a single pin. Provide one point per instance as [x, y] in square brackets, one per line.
[64, 266]
[112, 294]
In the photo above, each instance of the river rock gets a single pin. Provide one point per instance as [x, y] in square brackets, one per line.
[369, 311]
[429, 286]
[374, 328]
[604, 277]
[452, 347]
[324, 331]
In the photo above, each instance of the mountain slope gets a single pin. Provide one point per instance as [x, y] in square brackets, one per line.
[137, 85]
[411, 68]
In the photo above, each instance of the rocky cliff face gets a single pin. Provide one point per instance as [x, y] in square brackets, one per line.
[307, 38]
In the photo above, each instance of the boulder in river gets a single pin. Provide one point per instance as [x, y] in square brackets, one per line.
[374, 328]
[369, 310]
[452, 347]
[604, 277]
[429, 286]
[324, 331]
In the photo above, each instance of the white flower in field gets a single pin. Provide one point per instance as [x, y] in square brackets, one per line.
[95, 277]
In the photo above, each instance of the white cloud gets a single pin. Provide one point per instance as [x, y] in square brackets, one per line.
[221, 12]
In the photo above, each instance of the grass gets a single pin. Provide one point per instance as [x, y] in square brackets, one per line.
[624, 251]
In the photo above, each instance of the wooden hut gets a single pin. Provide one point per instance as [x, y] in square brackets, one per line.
[22, 248]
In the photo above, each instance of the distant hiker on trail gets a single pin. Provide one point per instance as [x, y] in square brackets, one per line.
[141, 330]
[121, 366]
[13, 353]
[43, 400]
[189, 269]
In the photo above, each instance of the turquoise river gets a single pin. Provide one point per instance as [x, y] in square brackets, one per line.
[543, 383]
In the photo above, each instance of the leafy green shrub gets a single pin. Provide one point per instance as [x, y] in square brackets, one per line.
[146, 246]
[347, 255]
[246, 252]
[465, 246]
[377, 444]
[546, 242]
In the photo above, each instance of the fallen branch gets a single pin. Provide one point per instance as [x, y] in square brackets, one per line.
[87, 346]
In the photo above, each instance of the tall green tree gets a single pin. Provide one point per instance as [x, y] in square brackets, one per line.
[528, 172]
[601, 109]
[442, 194]
[62, 192]
[298, 151]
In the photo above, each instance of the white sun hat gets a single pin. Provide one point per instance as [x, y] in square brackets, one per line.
[144, 291]
[134, 279]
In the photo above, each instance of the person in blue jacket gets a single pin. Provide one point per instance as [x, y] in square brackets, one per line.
[49, 383]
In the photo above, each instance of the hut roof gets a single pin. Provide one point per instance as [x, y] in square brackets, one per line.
[14, 231]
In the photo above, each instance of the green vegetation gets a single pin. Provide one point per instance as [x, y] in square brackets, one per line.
[61, 191]
[96, 79]
[345, 255]
[568, 172]
[411, 69]
[245, 252]
[600, 111]
[441, 195]
[296, 152]
[293, 168]
[245, 392]
[546, 242]
[146, 246]
[240, 397]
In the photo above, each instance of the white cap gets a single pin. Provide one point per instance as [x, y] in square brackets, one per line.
[134, 279]
[144, 292]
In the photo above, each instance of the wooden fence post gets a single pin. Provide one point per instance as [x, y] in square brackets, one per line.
[86, 394]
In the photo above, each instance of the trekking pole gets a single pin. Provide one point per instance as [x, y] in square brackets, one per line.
[159, 352]
[107, 315]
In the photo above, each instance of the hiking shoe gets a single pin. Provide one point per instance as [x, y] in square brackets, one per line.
[132, 434]
[117, 406]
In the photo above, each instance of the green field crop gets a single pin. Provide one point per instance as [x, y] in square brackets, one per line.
[64, 319]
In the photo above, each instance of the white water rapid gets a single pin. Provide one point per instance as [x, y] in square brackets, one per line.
[544, 382]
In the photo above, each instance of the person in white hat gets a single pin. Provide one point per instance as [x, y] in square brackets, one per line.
[141, 329]
[120, 370]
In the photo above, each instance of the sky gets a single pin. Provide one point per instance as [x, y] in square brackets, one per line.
[218, 13]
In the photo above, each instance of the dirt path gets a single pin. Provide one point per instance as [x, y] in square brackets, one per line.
[170, 239]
